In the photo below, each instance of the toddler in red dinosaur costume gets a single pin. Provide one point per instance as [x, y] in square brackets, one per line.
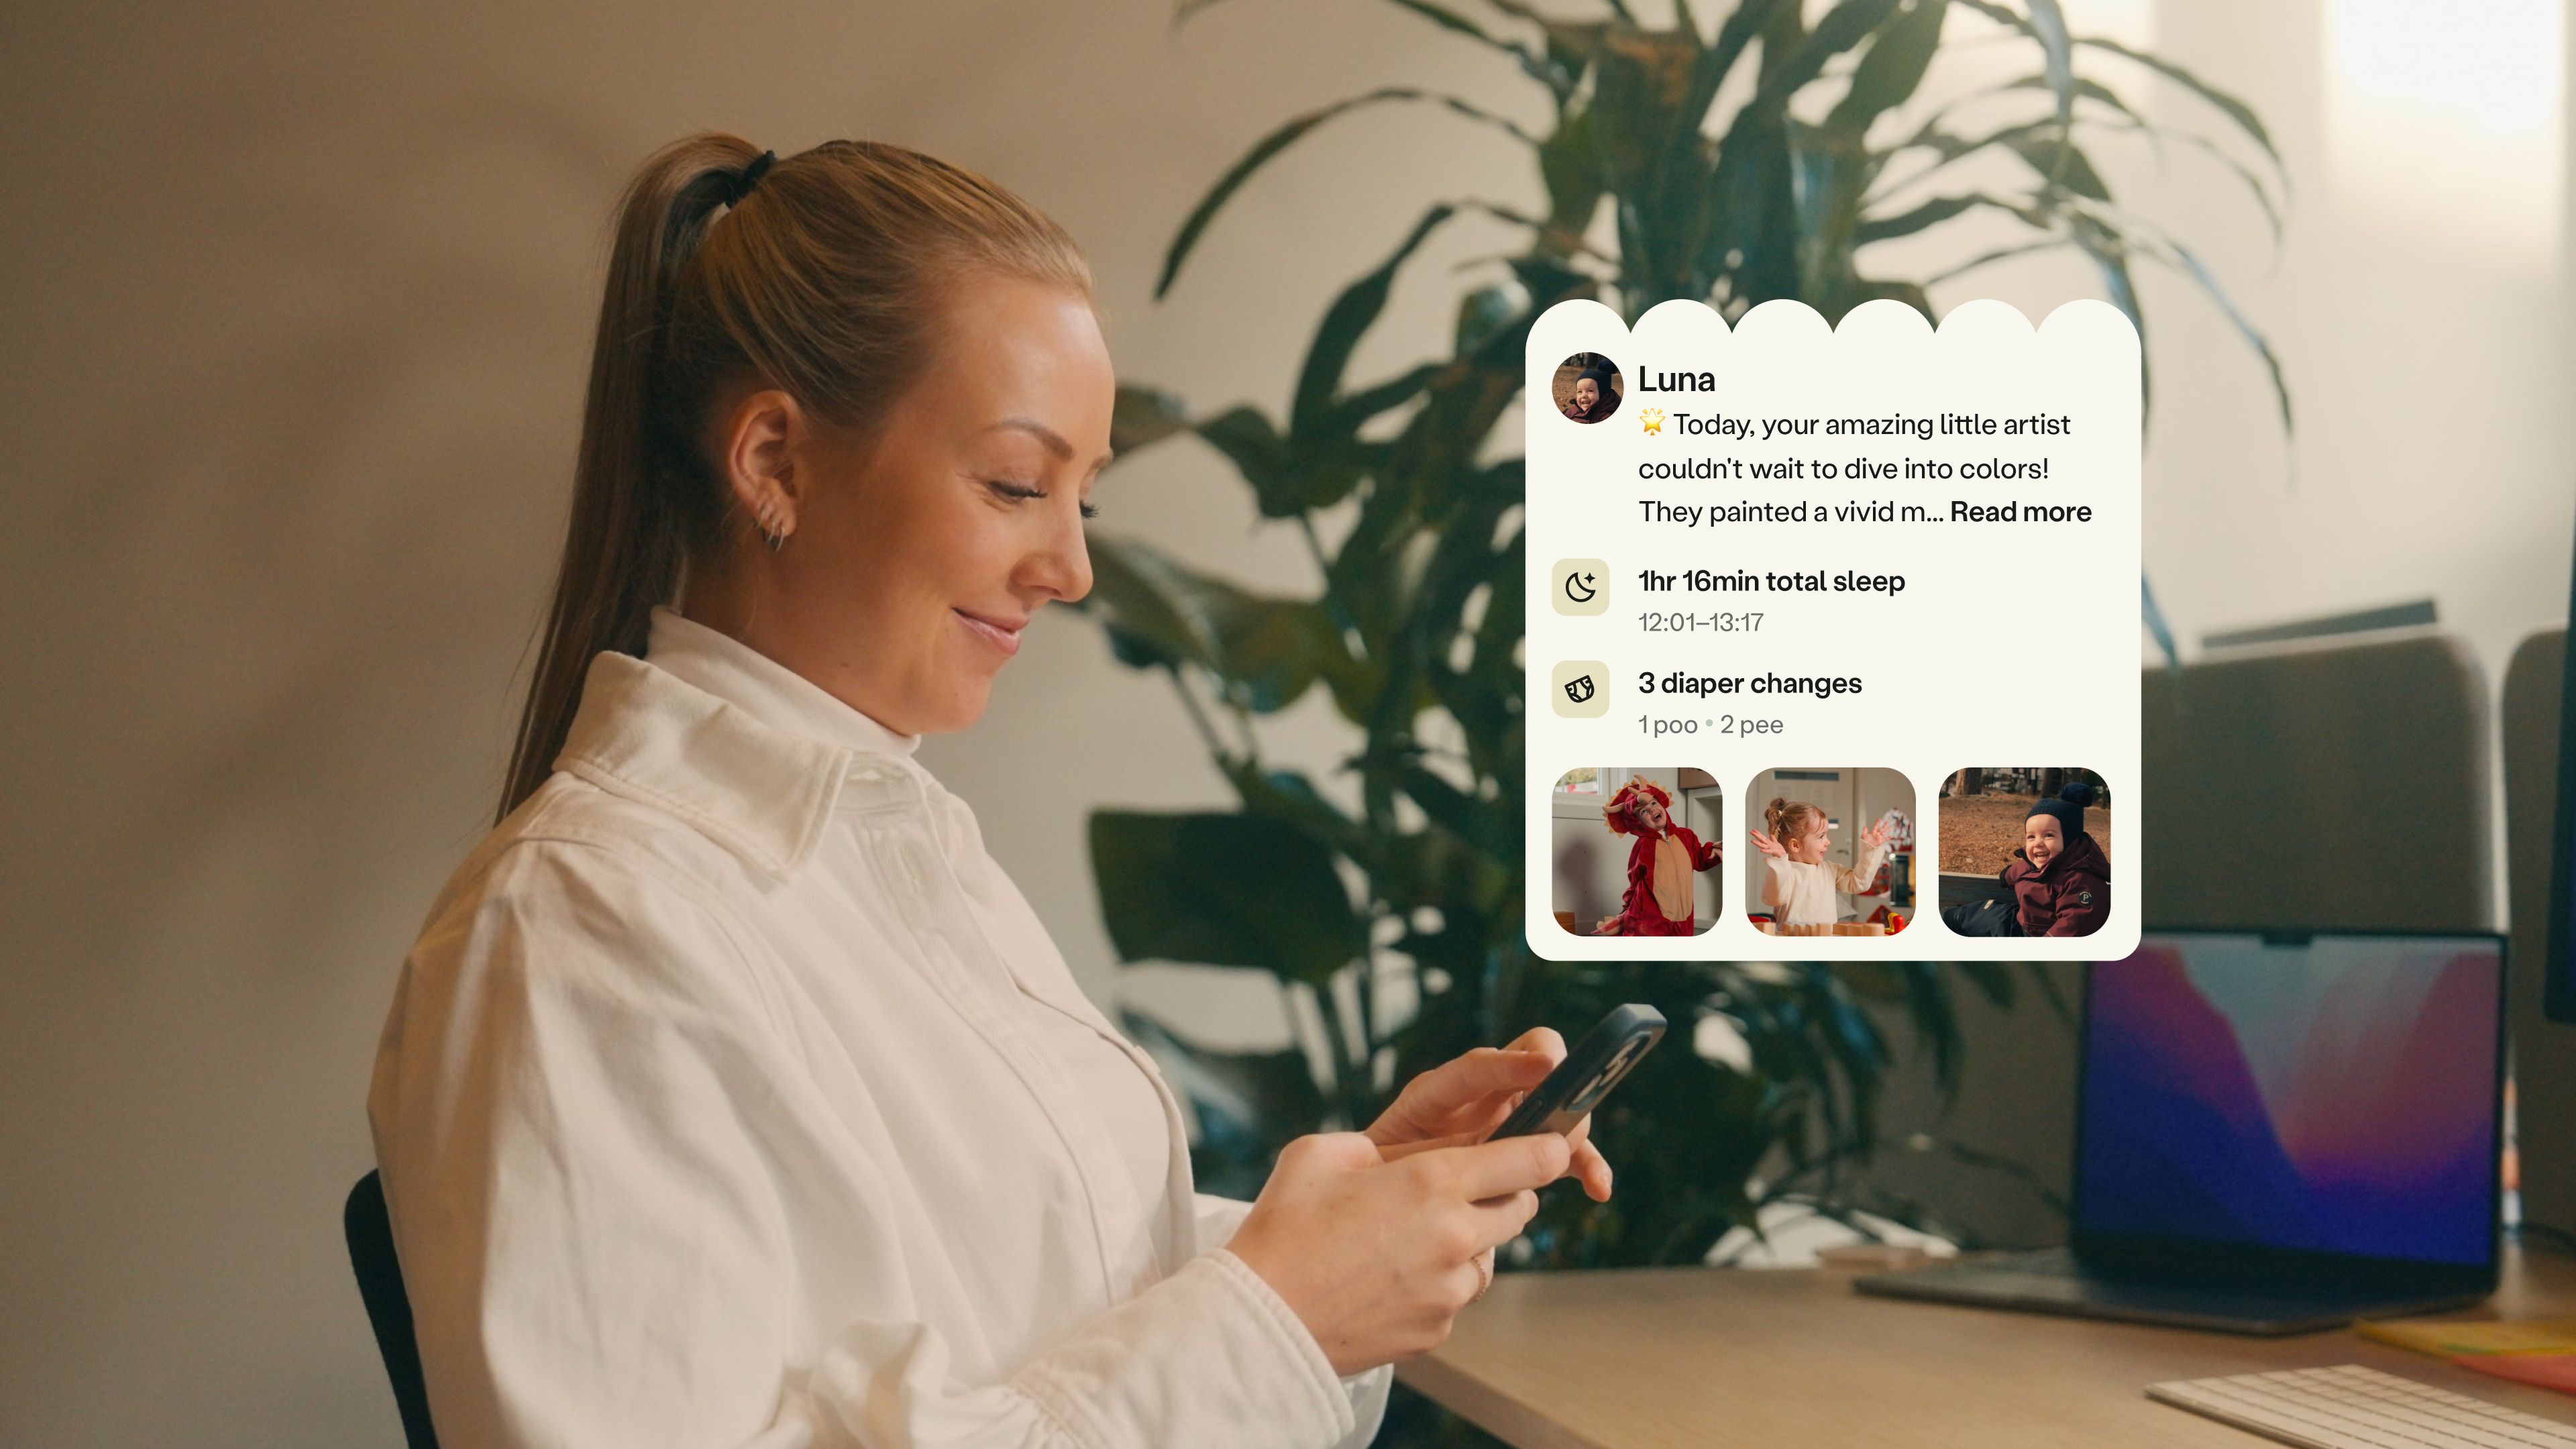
[1658, 899]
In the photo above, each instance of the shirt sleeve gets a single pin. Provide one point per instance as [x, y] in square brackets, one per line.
[1782, 878]
[1856, 879]
[1218, 1217]
[2083, 903]
[576, 1108]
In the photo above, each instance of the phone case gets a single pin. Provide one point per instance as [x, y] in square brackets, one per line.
[1606, 1054]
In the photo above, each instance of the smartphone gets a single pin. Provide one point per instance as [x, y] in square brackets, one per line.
[1587, 1074]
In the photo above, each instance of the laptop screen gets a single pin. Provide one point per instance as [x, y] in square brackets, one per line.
[2336, 1094]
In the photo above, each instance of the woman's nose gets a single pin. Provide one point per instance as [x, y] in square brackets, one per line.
[1062, 569]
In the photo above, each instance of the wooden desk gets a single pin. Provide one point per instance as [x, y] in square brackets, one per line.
[1669, 1357]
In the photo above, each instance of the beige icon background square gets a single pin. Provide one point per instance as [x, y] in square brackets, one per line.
[1596, 702]
[1579, 586]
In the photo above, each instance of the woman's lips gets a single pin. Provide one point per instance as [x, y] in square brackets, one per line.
[1004, 638]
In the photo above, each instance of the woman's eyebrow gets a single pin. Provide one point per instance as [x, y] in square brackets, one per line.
[1053, 440]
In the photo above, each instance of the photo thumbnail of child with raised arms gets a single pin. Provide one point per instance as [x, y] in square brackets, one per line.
[1798, 887]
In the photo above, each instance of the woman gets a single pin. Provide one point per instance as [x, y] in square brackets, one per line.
[732, 1095]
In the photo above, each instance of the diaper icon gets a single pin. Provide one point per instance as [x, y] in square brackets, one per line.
[1580, 689]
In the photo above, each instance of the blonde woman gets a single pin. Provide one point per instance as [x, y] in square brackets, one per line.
[732, 1095]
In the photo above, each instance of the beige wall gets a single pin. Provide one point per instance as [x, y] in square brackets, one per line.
[2435, 454]
[290, 347]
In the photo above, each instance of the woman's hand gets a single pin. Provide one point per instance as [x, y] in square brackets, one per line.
[1376, 1257]
[1464, 1098]
[1768, 846]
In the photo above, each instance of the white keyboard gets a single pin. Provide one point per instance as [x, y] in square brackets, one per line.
[2352, 1407]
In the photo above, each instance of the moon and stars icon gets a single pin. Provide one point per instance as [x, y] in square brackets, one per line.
[1581, 586]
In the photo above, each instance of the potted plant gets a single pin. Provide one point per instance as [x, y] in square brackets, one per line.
[1401, 880]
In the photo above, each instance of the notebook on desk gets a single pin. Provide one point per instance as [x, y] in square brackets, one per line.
[2274, 1134]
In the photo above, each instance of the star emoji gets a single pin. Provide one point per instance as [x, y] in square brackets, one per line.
[1653, 418]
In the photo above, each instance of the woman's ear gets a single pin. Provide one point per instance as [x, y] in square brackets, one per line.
[763, 434]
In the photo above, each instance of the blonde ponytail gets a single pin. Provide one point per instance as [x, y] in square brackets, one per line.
[1787, 819]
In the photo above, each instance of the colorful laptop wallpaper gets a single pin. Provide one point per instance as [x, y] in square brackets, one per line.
[2337, 1097]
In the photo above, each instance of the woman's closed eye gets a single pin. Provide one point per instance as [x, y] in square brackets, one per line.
[1028, 493]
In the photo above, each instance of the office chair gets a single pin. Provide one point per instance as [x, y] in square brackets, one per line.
[371, 1256]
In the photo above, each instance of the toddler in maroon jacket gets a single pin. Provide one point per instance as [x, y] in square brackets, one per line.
[2060, 880]
[1593, 400]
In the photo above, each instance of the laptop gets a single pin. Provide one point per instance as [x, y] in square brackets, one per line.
[2275, 1134]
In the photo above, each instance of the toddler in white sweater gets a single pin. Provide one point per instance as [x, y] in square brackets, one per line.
[1799, 887]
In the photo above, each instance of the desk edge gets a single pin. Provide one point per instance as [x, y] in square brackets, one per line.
[1486, 1407]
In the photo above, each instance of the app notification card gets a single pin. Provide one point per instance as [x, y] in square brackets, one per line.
[1833, 634]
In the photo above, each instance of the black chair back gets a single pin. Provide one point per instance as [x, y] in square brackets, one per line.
[370, 1232]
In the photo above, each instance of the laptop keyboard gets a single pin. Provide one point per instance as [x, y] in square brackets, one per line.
[2352, 1407]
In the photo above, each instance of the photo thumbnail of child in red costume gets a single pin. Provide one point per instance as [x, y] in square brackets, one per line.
[1661, 861]
[1633, 850]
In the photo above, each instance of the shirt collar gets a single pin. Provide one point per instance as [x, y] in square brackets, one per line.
[743, 749]
[769, 691]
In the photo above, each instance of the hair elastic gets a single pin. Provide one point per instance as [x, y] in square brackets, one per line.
[739, 184]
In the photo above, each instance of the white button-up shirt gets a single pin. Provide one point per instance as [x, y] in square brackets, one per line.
[732, 1095]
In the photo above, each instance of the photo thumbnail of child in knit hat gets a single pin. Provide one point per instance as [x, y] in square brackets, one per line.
[2057, 881]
